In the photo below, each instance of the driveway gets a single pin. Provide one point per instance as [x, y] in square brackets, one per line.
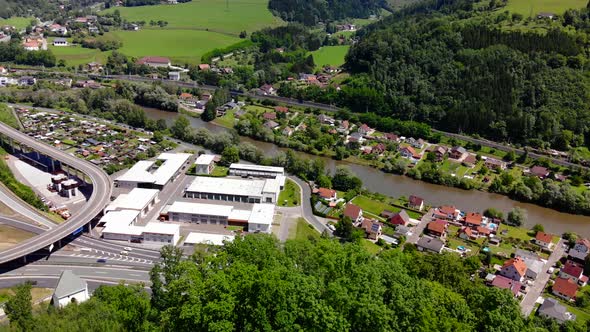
[306, 208]
[528, 302]
[418, 229]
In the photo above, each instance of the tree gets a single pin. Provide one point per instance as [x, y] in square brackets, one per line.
[210, 112]
[180, 127]
[230, 155]
[493, 213]
[19, 308]
[516, 217]
[538, 228]
[345, 180]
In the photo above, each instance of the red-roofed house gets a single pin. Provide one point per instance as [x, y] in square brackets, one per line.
[572, 271]
[269, 116]
[473, 219]
[410, 153]
[416, 203]
[372, 228]
[391, 137]
[467, 233]
[540, 171]
[204, 67]
[154, 61]
[353, 212]
[400, 218]
[514, 268]
[438, 228]
[507, 283]
[483, 231]
[447, 212]
[565, 288]
[366, 130]
[281, 109]
[544, 240]
[328, 194]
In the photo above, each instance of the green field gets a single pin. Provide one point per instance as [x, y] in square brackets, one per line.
[7, 116]
[182, 46]
[303, 231]
[214, 15]
[289, 196]
[530, 8]
[330, 55]
[17, 22]
[76, 55]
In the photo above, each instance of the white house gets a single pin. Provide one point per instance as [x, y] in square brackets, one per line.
[60, 42]
[70, 289]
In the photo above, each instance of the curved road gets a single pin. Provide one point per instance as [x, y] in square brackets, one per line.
[101, 194]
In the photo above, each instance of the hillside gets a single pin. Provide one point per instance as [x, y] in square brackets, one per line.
[312, 12]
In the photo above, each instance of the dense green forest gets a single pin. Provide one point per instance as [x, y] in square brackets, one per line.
[313, 12]
[259, 284]
[28, 8]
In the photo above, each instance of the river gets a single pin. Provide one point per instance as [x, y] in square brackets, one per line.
[395, 185]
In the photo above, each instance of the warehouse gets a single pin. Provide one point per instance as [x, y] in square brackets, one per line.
[205, 164]
[138, 199]
[235, 189]
[152, 233]
[245, 170]
[154, 174]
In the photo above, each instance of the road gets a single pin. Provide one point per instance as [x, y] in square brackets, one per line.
[101, 193]
[109, 273]
[417, 231]
[25, 226]
[51, 282]
[306, 208]
[528, 302]
[22, 208]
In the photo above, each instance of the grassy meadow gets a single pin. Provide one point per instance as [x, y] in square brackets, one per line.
[530, 8]
[17, 22]
[330, 55]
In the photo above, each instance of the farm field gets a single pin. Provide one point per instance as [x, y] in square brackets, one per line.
[77, 55]
[181, 46]
[17, 22]
[530, 8]
[211, 15]
[330, 55]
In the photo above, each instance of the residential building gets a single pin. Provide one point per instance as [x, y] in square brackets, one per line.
[205, 164]
[3, 71]
[409, 153]
[416, 143]
[287, 131]
[70, 289]
[473, 219]
[389, 136]
[372, 228]
[256, 171]
[507, 283]
[269, 116]
[440, 152]
[174, 76]
[495, 164]
[272, 125]
[60, 42]
[354, 212]
[147, 173]
[416, 203]
[328, 194]
[565, 288]
[514, 268]
[154, 61]
[400, 231]
[365, 130]
[58, 29]
[534, 267]
[552, 309]
[457, 152]
[234, 189]
[400, 218]
[447, 212]
[467, 233]
[580, 249]
[267, 90]
[539, 171]
[572, 271]
[544, 240]
[437, 228]
[430, 244]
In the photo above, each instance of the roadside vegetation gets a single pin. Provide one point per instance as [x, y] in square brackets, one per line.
[8, 117]
[22, 191]
[290, 195]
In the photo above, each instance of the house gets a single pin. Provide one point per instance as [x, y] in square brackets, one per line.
[282, 109]
[565, 288]
[430, 244]
[400, 218]
[437, 228]
[507, 283]
[93, 67]
[372, 228]
[473, 219]
[287, 131]
[355, 137]
[514, 268]
[267, 89]
[439, 152]
[552, 309]
[572, 271]
[58, 29]
[204, 67]
[467, 233]
[580, 249]
[93, 29]
[174, 76]
[60, 42]
[391, 137]
[31, 45]
[457, 152]
[400, 231]
[378, 149]
[470, 160]
[416, 143]
[354, 212]
[543, 15]
[539, 171]
[495, 164]
[343, 127]
[271, 125]
[410, 153]
[324, 119]
[365, 130]
[132, 27]
[328, 194]
[544, 240]
[534, 266]
[70, 289]
[154, 61]
[3, 71]
[447, 212]
[269, 116]
[416, 203]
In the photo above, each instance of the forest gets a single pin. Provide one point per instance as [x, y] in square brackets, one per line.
[257, 283]
[312, 12]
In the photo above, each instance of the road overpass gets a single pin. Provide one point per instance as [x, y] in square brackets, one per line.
[101, 193]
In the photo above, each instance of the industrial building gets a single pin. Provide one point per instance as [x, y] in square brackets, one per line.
[154, 174]
[194, 238]
[138, 199]
[257, 219]
[259, 171]
[205, 164]
[65, 186]
[152, 233]
[235, 189]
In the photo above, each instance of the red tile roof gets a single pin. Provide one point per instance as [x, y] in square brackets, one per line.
[437, 226]
[415, 200]
[539, 171]
[473, 218]
[269, 116]
[281, 109]
[483, 230]
[185, 95]
[572, 269]
[352, 211]
[506, 283]
[518, 264]
[326, 193]
[153, 59]
[544, 237]
[565, 286]
[447, 209]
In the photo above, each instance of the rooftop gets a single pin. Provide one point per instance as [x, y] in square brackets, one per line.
[69, 284]
[117, 228]
[201, 208]
[160, 228]
[208, 238]
[249, 167]
[124, 217]
[205, 159]
[434, 244]
[228, 186]
[262, 214]
[136, 199]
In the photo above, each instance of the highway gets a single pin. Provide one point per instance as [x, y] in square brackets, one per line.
[51, 282]
[110, 273]
[18, 205]
[101, 193]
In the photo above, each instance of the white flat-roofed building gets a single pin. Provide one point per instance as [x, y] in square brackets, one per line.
[199, 213]
[205, 164]
[256, 170]
[234, 190]
[261, 218]
[139, 199]
[147, 174]
[157, 232]
[207, 238]
[120, 232]
[122, 217]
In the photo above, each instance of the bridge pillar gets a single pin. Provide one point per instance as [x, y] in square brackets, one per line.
[25, 259]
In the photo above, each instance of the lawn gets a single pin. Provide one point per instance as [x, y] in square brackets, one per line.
[330, 55]
[182, 46]
[17, 22]
[77, 55]
[230, 17]
[530, 8]
[228, 120]
[7, 116]
[515, 232]
[375, 207]
[370, 246]
[304, 231]
[219, 171]
[289, 196]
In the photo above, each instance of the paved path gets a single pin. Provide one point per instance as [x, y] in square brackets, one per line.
[306, 208]
[418, 229]
[528, 302]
